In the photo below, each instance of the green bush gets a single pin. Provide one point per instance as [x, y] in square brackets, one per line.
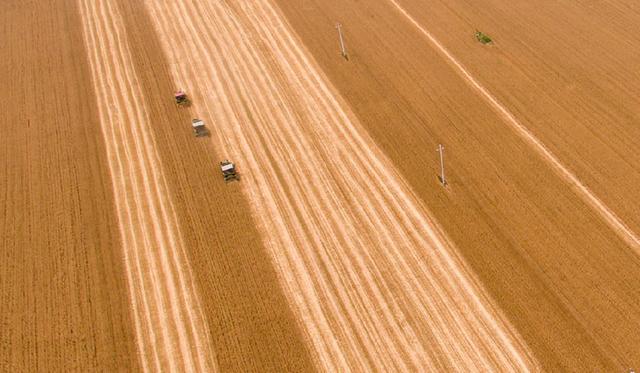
[483, 38]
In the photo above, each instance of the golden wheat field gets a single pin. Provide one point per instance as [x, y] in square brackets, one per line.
[339, 246]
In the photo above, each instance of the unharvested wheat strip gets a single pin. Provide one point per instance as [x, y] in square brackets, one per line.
[605, 212]
[160, 231]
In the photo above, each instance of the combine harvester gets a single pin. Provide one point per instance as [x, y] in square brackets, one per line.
[199, 129]
[228, 171]
[182, 99]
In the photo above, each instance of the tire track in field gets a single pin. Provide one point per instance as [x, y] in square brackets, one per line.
[374, 283]
[170, 331]
[610, 217]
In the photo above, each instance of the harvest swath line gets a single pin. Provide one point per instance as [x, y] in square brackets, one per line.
[161, 288]
[591, 199]
[373, 282]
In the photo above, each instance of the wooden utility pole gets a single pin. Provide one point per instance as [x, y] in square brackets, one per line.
[343, 49]
[442, 178]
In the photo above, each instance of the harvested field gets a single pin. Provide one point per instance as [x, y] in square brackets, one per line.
[338, 249]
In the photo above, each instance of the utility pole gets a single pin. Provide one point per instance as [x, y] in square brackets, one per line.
[343, 50]
[442, 178]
